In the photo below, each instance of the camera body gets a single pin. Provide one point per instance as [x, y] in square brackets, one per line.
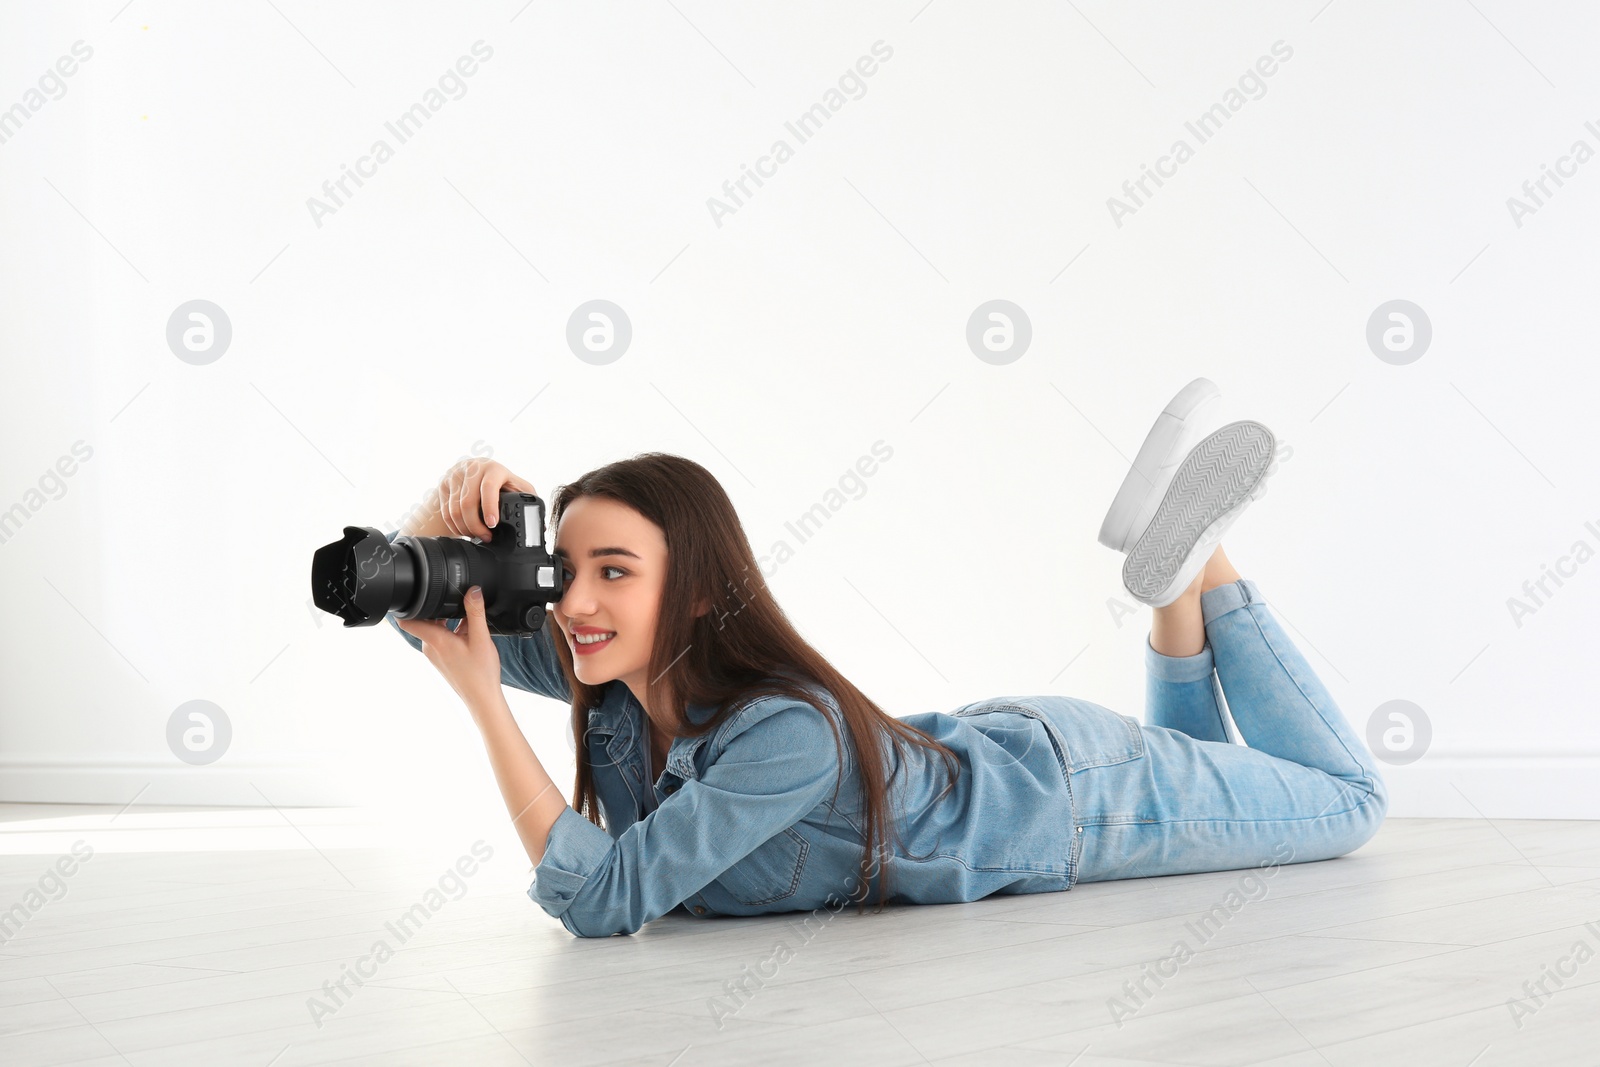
[363, 577]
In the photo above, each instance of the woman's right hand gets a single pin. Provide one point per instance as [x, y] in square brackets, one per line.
[466, 501]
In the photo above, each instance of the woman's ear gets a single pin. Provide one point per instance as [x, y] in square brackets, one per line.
[701, 607]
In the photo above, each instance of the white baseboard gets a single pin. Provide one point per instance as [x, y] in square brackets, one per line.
[1444, 787]
[233, 783]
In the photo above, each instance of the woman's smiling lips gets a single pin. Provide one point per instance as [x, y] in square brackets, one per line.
[589, 648]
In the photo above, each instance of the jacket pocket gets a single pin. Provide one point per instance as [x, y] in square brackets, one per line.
[770, 873]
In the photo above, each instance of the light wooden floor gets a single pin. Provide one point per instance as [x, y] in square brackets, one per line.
[176, 943]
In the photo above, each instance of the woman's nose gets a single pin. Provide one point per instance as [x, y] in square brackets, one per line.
[576, 600]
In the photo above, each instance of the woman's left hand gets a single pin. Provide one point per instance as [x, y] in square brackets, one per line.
[466, 656]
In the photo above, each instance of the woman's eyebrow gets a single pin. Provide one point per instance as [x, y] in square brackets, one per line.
[594, 552]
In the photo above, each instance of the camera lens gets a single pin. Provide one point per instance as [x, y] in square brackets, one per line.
[363, 577]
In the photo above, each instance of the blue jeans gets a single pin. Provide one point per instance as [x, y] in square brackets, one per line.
[1306, 787]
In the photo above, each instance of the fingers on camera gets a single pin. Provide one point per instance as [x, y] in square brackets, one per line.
[490, 496]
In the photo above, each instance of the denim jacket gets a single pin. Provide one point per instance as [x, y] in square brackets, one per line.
[744, 821]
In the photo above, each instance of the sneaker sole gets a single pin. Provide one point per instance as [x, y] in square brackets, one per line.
[1153, 458]
[1218, 478]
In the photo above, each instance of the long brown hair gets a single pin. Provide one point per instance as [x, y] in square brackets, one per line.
[706, 660]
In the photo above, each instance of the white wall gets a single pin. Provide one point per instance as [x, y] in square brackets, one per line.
[427, 316]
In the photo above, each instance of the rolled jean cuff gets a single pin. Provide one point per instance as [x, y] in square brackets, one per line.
[1177, 668]
[1214, 603]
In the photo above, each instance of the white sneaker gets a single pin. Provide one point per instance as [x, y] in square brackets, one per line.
[1190, 416]
[1191, 480]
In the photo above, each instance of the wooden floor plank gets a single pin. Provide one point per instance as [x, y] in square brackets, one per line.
[203, 936]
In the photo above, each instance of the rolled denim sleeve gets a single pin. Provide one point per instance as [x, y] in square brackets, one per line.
[780, 762]
[526, 663]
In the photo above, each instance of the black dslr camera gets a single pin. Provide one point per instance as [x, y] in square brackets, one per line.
[363, 577]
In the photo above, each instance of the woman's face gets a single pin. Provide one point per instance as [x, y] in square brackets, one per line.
[614, 563]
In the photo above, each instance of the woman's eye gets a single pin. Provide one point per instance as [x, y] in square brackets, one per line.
[568, 575]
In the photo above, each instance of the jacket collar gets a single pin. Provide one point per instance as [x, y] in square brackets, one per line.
[619, 720]
[701, 713]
